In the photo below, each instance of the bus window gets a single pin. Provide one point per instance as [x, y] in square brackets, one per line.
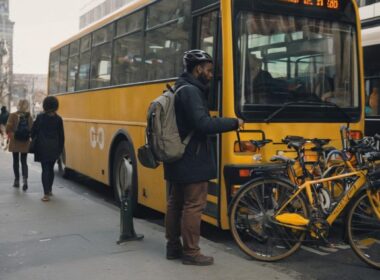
[166, 11]
[127, 62]
[102, 35]
[292, 59]
[164, 46]
[100, 73]
[164, 50]
[207, 26]
[84, 63]
[53, 72]
[63, 69]
[101, 66]
[129, 24]
[73, 66]
[207, 40]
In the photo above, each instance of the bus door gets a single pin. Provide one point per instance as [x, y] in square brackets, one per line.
[207, 37]
[372, 110]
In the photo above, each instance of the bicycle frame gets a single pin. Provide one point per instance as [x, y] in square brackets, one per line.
[293, 221]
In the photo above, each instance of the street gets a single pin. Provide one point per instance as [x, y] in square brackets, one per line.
[74, 236]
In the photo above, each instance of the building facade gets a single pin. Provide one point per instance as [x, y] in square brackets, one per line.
[32, 87]
[93, 10]
[6, 53]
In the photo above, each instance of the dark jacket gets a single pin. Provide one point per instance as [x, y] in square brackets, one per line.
[4, 115]
[50, 137]
[263, 82]
[198, 164]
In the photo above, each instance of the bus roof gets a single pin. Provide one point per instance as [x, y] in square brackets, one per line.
[127, 9]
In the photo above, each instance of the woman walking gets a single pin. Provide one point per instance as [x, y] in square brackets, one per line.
[48, 135]
[18, 129]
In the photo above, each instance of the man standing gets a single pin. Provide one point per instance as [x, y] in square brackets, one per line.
[189, 176]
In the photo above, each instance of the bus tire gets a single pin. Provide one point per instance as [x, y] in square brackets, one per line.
[124, 176]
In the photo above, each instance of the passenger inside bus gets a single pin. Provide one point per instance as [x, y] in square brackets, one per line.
[126, 67]
[373, 102]
[324, 85]
[264, 89]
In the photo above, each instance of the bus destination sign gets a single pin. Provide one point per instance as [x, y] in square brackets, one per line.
[327, 4]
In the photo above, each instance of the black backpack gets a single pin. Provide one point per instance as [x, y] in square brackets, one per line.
[22, 132]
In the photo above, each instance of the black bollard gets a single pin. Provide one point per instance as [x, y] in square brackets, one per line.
[127, 231]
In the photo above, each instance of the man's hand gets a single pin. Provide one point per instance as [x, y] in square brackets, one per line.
[241, 123]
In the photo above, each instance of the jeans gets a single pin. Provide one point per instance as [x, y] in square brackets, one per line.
[47, 176]
[16, 165]
[183, 217]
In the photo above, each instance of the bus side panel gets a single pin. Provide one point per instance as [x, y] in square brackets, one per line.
[91, 121]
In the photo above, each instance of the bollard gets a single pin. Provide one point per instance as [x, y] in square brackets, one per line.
[127, 231]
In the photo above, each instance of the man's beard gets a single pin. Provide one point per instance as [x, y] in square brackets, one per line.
[203, 79]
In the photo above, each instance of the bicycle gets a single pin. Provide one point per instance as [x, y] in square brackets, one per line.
[270, 216]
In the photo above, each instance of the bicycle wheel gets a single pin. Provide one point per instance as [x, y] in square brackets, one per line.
[363, 229]
[252, 223]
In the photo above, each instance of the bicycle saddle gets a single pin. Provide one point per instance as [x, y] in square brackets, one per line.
[279, 158]
[260, 143]
[320, 142]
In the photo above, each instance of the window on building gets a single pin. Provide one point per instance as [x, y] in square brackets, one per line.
[362, 3]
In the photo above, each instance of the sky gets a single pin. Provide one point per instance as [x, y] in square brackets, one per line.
[40, 25]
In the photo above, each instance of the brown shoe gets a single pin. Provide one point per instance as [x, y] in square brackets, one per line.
[200, 260]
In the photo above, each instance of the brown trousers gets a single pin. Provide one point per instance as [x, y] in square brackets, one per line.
[183, 217]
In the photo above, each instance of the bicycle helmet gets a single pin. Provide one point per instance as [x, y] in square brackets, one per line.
[194, 57]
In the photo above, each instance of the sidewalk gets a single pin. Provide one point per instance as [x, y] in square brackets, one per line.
[73, 237]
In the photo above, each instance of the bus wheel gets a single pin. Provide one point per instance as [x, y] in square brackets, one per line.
[123, 174]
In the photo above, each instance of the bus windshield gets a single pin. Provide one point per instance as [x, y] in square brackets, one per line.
[288, 59]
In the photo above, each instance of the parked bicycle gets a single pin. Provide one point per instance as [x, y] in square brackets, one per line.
[270, 216]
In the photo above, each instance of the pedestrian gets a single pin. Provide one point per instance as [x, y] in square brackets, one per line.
[18, 129]
[48, 134]
[188, 177]
[4, 115]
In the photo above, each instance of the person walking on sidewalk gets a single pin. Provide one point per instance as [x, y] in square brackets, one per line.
[18, 129]
[4, 115]
[49, 138]
[188, 177]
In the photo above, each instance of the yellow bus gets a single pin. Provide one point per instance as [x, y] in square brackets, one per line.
[106, 76]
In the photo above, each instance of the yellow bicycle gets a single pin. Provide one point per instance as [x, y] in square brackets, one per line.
[270, 216]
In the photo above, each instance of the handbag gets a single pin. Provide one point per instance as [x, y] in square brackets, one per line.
[33, 145]
[146, 157]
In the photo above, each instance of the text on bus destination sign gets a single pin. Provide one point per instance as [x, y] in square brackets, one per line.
[328, 4]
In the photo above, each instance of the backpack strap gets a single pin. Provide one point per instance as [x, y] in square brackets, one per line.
[178, 89]
[188, 137]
